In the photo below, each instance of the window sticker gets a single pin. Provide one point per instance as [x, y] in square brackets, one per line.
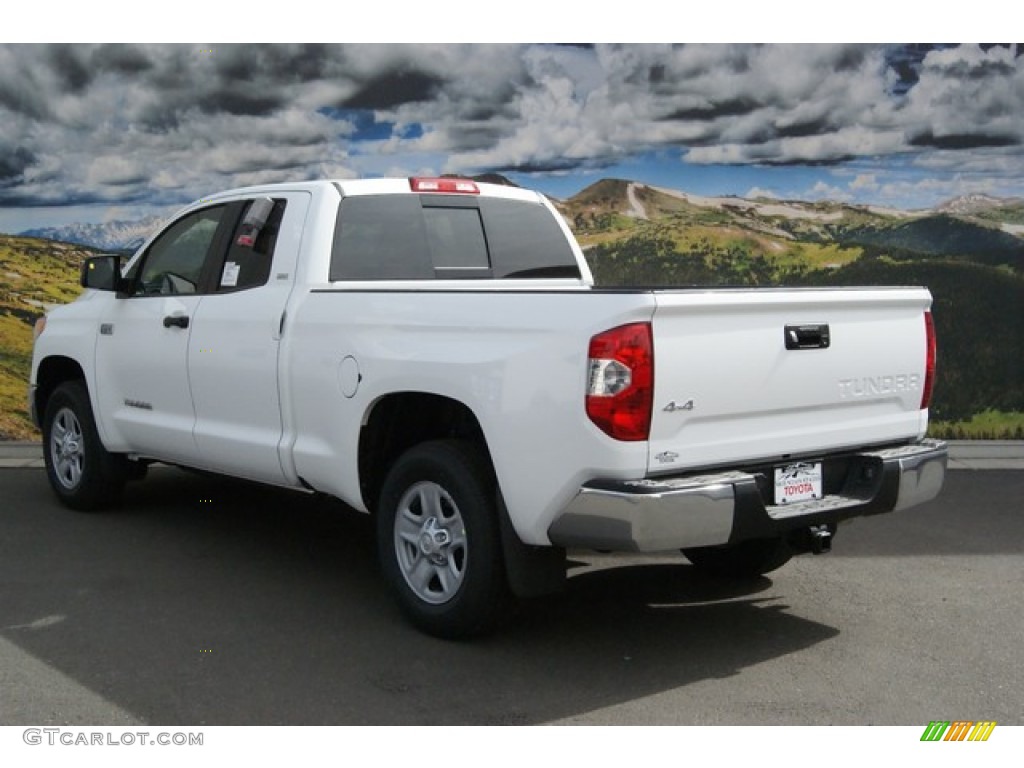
[229, 277]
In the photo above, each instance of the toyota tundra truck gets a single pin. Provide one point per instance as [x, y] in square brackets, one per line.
[434, 352]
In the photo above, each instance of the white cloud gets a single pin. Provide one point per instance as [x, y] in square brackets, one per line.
[114, 170]
[169, 123]
[925, 193]
[864, 182]
[967, 98]
[823, 191]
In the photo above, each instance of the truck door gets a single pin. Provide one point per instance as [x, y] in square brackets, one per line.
[236, 332]
[142, 350]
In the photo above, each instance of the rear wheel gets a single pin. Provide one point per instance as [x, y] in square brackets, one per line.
[80, 470]
[438, 539]
[745, 560]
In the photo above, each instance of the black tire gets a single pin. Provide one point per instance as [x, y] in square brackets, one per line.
[439, 542]
[83, 474]
[745, 560]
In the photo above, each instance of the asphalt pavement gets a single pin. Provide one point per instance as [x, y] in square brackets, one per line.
[206, 601]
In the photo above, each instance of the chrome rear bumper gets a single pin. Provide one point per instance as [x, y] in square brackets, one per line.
[661, 514]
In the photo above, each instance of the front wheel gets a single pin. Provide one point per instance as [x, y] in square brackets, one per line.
[80, 470]
[745, 560]
[438, 539]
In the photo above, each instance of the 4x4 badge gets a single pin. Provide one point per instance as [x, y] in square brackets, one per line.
[674, 406]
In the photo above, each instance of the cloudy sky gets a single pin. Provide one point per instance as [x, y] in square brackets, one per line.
[99, 132]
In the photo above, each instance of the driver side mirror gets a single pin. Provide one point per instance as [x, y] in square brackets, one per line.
[102, 273]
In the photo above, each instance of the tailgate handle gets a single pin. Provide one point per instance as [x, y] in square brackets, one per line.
[807, 336]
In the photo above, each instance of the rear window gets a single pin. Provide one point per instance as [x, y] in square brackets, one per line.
[397, 237]
[526, 241]
[456, 239]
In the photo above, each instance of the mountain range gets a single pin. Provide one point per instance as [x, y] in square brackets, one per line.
[984, 228]
[106, 236]
[605, 207]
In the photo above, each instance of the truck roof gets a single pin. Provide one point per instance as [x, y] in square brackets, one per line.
[381, 186]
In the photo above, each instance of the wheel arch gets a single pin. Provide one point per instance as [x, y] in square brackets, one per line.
[52, 372]
[398, 421]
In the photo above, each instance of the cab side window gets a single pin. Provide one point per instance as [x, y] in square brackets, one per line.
[248, 261]
[174, 262]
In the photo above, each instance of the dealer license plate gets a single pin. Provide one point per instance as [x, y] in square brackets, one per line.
[797, 482]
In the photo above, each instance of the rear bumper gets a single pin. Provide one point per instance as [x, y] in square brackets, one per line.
[661, 514]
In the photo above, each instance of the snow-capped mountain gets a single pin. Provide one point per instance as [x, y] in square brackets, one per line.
[973, 203]
[109, 235]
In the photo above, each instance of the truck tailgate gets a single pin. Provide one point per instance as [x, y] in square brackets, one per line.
[744, 375]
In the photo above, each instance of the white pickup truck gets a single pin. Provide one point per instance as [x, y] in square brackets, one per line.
[433, 352]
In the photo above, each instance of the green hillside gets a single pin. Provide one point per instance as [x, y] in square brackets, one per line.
[974, 269]
[34, 274]
[940, 235]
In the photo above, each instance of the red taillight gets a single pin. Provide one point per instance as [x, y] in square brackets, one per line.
[620, 381]
[457, 186]
[929, 367]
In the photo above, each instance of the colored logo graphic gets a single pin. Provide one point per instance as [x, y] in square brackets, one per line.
[958, 730]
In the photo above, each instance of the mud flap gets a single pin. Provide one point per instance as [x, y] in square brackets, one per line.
[531, 571]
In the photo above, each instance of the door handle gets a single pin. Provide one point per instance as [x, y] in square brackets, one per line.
[177, 321]
[808, 336]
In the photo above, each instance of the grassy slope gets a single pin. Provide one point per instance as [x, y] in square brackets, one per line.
[598, 217]
[34, 274]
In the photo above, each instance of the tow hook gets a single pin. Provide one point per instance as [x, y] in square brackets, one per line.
[821, 539]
